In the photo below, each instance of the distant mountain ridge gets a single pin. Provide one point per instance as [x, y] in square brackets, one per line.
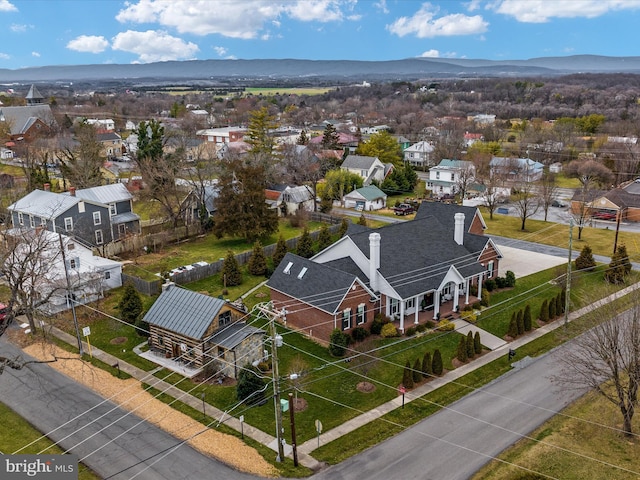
[405, 69]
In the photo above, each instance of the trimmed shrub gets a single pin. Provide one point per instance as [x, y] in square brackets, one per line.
[461, 353]
[407, 376]
[513, 326]
[552, 309]
[388, 330]
[510, 279]
[379, 321]
[490, 284]
[500, 282]
[359, 333]
[469, 316]
[257, 264]
[477, 345]
[585, 260]
[473, 290]
[486, 297]
[471, 351]
[426, 365]
[417, 371]
[445, 325]
[250, 385]
[436, 363]
[559, 304]
[411, 331]
[563, 299]
[520, 322]
[526, 320]
[544, 311]
[339, 342]
[421, 328]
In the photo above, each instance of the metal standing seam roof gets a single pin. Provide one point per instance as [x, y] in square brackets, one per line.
[44, 204]
[124, 218]
[184, 312]
[105, 194]
[370, 192]
[232, 335]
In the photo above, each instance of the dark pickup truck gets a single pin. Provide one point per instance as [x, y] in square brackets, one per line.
[403, 209]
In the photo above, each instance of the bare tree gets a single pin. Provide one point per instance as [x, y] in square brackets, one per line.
[81, 163]
[547, 191]
[466, 177]
[526, 201]
[606, 358]
[490, 182]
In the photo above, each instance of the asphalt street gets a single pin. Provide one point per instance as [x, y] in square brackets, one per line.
[114, 443]
[454, 443]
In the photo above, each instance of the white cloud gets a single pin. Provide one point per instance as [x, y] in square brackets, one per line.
[431, 54]
[88, 43]
[35, 54]
[541, 11]
[244, 19]
[221, 51]
[425, 24]
[4, 56]
[154, 46]
[19, 28]
[6, 6]
[382, 6]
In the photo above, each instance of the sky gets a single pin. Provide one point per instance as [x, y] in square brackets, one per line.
[80, 32]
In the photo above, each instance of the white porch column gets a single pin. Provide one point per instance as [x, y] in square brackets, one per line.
[402, 316]
[456, 298]
[480, 277]
[466, 291]
[436, 304]
[415, 302]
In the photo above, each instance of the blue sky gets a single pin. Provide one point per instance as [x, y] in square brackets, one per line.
[73, 32]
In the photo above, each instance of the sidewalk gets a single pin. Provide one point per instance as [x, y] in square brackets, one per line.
[305, 449]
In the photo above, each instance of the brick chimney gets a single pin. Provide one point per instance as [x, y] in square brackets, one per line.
[374, 260]
[72, 191]
[458, 229]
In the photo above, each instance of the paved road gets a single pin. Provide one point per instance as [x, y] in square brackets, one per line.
[50, 401]
[454, 443]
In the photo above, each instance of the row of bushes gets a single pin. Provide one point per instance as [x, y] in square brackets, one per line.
[469, 346]
[427, 368]
[521, 321]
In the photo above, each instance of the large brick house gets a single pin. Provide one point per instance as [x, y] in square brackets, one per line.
[398, 270]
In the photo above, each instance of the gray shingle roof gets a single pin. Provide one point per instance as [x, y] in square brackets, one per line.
[21, 118]
[44, 204]
[321, 285]
[185, 312]
[358, 161]
[445, 212]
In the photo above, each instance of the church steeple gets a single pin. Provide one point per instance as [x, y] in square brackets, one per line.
[34, 97]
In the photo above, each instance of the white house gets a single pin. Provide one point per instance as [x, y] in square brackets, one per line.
[517, 169]
[369, 168]
[222, 135]
[292, 199]
[366, 199]
[444, 179]
[102, 123]
[419, 154]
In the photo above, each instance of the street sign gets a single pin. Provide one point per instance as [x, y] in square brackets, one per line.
[86, 331]
[402, 390]
[318, 426]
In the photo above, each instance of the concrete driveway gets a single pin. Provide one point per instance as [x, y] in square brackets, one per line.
[526, 262]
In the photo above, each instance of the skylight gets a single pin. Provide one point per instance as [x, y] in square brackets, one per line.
[302, 272]
[287, 269]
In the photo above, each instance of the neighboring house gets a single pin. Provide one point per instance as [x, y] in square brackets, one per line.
[517, 169]
[346, 141]
[89, 275]
[199, 329]
[482, 119]
[28, 122]
[222, 135]
[403, 141]
[102, 123]
[366, 199]
[374, 129]
[292, 199]
[555, 167]
[369, 168]
[6, 154]
[397, 270]
[196, 200]
[95, 216]
[111, 144]
[444, 179]
[623, 201]
[419, 154]
[471, 138]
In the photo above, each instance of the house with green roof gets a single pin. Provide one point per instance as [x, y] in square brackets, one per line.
[366, 199]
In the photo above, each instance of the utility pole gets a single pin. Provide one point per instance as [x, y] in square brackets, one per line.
[615, 242]
[292, 419]
[70, 299]
[568, 285]
[276, 341]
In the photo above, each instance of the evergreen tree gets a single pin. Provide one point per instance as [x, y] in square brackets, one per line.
[624, 256]
[407, 376]
[130, 308]
[417, 371]
[552, 308]
[279, 252]
[426, 365]
[241, 207]
[563, 299]
[324, 237]
[303, 139]
[250, 385]
[513, 326]
[362, 220]
[559, 304]
[585, 260]
[544, 311]
[527, 318]
[338, 342]
[231, 274]
[259, 137]
[520, 322]
[471, 351]
[305, 244]
[509, 279]
[344, 226]
[257, 264]
[437, 366]
[477, 345]
[330, 138]
[462, 349]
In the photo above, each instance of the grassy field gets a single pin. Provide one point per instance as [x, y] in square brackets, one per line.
[22, 434]
[287, 91]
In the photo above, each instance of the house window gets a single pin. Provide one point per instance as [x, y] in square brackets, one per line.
[68, 224]
[32, 221]
[361, 315]
[160, 340]
[437, 175]
[20, 218]
[43, 222]
[364, 173]
[97, 220]
[224, 318]
[99, 237]
[346, 319]
[409, 303]
[73, 263]
[220, 351]
[453, 177]
[107, 275]
[112, 209]
[490, 267]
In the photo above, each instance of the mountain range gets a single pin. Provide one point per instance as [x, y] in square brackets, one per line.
[309, 71]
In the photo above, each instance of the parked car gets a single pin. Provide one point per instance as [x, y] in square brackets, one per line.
[558, 203]
[403, 209]
[604, 216]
